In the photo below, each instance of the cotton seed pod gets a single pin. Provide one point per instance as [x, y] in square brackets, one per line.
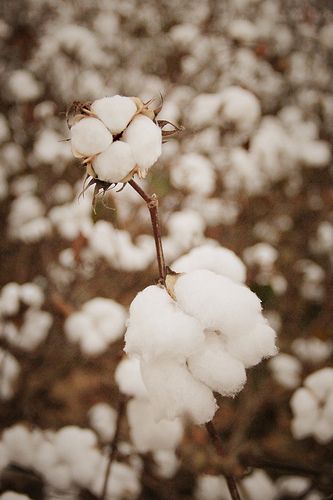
[114, 164]
[89, 137]
[115, 112]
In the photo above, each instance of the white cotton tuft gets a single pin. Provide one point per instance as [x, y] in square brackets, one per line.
[240, 108]
[115, 112]
[128, 378]
[146, 433]
[102, 418]
[216, 368]
[174, 392]
[145, 140]
[157, 326]
[166, 462]
[286, 370]
[13, 495]
[217, 259]
[320, 383]
[20, 445]
[89, 137]
[71, 441]
[259, 486]
[115, 163]
[217, 301]
[303, 402]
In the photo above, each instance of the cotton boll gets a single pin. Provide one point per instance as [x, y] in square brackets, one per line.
[108, 316]
[102, 418]
[115, 112]
[10, 299]
[34, 329]
[146, 433]
[23, 85]
[286, 370]
[93, 344]
[115, 163]
[46, 457]
[323, 430]
[214, 366]
[212, 488]
[320, 383]
[239, 107]
[12, 495]
[128, 378]
[195, 173]
[31, 294]
[166, 462]
[89, 136]
[259, 486]
[186, 228]
[316, 154]
[9, 371]
[122, 483]
[59, 477]
[71, 441]
[292, 485]
[312, 350]
[78, 325]
[217, 259]
[303, 402]
[83, 471]
[145, 141]
[204, 109]
[173, 392]
[158, 326]
[216, 301]
[302, 425]
[19, 444]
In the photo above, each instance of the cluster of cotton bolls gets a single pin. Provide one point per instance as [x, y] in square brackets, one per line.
[26, 301]
[191, 340]
[68, 461]
[312, 407]
[98, 323]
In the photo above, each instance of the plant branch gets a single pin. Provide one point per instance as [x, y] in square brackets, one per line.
[230, 478]
[114, 445]
[152, 204]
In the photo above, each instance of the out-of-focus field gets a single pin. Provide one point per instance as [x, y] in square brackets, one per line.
[251, 82]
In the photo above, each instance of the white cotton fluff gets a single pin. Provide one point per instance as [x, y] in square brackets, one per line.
[216, 301]
[34, 330]
[211, 487]
[303, 402]
[12, 495]
[292, 485]
[204, 109]
[259, 486]
[89, 137]
[31, 294]
[115, 112]
[102, 418]
[218, 259]
[262, 255]
[20, 445]
[239, 107]
[186, 228]
[145, 140]
[173, 392]
[115, 163]
[9, 371]
[23, 85]
[128, 378]
[123, 481]
[157, 326]
[166, 462]
[71, 441]
[312, 350]
[315, 153]
[216, 368]
[195, 173]
[10, 299]
[320, 383]
[286, 370]
[146, 433]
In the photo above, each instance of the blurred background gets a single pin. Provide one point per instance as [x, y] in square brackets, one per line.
[251, 82]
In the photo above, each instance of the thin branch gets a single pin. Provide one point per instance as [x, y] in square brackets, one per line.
[266, 463]
[230, 479]
[113, 446]
[152, 204]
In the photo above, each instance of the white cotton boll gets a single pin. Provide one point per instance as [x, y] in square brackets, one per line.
[102, 418]
[71, 441]
[108, 316]
[302, 425]
[31, 295]
[115, 112]
[78, 325]
[83, 471]
[259, 486]
[186, 228]
[211, 488]
[9, 371]
[20, 446]
[115, 163]
[243, 30]
[239, 107]
[204, 109]
[214, 366]
[286, 370]
[146, 433]
[312, 350]
[10, 299]
[59, 477]
[320, 383]
[262, 255]
[323, 430]
[23, 85]
[34, 329]
[46, 457]
[255, 345]
[122, 483]
[195, 173]
[303, 402]
[326, 35]
[216, 301]
[166, 462]
[145, 140]
[93, 344]
[217, 259]
[12, 495]
[49, 147]
[292, 485]
[315, 153]
[89, 137]
[157, 326]
[173, 392]
[128, 378]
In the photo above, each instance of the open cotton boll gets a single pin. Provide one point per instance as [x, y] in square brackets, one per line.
[211, 487]
[115, 163]
[302, 426]
[240, 107]
[166, 462]
[292, 485]
[174, 392]
[259, 486]
[145, 140]
[78, 325]
[254, 345]
[146, 433]
[303, 402]
[71, 441]
[220, 260]
[31, 294]
[323, 430]
[20, 446]
[13, 495]
[83, 471]
[89, 137]
[218, 302]
[286, 370]
[157, 326]
[10, 299]
[320, 383]
[102, 418]
[59, 477]
[122, 482]
[115, 112]
[108, 316]
[214, 366]
[128, 378]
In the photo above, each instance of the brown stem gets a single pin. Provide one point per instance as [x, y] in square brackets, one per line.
[266, 463]
[230, 479]
[113, 446]
[152, 204]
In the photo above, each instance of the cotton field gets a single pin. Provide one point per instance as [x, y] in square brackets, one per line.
[166, 193]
